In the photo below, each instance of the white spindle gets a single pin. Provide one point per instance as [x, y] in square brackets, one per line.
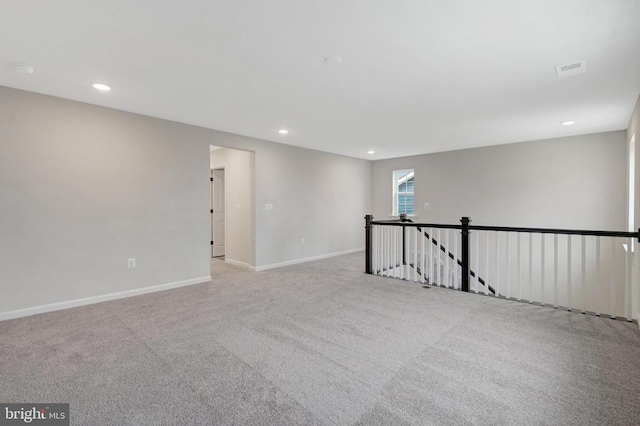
[530, 267]
[518, 270]
[395, 251]
[555, 271]
[446, 260]
[422, 256]
[569, 299]
[385, 251]
[628, 293]
[374, 243]
[431, 280]
[390, 231]
[508, 266]
[612, 281]
[597, 307]
[416, 234]
[439, 269]
[486, 275]
[542, 271]
[456, 282]
[401, 251]
[477, 271]
[497, 264]
[584, 274]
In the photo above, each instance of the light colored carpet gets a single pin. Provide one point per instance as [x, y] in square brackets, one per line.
[322, 343]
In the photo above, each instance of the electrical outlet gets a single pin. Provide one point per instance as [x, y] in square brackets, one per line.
[302, 241]
[268, 206]
[427, 206]
[132, 263]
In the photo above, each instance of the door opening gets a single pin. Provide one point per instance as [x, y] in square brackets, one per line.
[218, 210]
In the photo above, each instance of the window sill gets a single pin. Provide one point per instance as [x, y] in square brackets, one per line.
[395, 216]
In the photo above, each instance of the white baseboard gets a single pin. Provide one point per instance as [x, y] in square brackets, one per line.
[238, 263]
[97, 299]
[304, 260]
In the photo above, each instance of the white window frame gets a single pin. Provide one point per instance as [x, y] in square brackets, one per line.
[395, 185]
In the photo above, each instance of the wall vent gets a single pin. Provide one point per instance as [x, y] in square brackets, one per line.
[572, 68]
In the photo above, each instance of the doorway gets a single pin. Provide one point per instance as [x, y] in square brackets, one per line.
[218, 211]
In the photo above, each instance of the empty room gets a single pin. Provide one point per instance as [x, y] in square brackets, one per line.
[216, 212]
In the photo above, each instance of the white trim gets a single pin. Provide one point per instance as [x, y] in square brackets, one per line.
[304, 260]
[238, 263]
[98, 299]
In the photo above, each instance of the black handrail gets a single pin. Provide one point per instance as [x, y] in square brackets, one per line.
[624, 234]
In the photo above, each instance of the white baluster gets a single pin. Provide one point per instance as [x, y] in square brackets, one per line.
[477, 271]
[438, 264]
[613, 280]
[508, 266]
[486, 276]
[395, 251]
[531, 267]
[497, 264]
[584, 274]
[415, 254]
[518, 270]
[456, 282]
[542, 271]
[569, 299]
[597, 307]
[423, 271]
[402, 252]
[431, 277]
[446, 259]
[374, 249]
[555, 270]
[629, 274]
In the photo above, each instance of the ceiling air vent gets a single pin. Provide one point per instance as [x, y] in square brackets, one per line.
[572, 68]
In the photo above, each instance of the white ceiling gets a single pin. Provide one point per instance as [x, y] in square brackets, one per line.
[417, 76]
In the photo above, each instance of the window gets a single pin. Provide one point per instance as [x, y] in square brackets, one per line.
[403, 184]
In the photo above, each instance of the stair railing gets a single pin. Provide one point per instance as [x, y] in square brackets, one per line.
[582, 270]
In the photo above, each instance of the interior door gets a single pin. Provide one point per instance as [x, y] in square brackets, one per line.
[218, 215]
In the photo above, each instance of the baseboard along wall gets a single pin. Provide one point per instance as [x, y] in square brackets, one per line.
[97, 299]
[304, 260]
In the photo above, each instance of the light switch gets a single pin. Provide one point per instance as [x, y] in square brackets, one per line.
[268, 206]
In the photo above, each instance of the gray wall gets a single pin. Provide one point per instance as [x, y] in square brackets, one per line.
[239, 217]
[83, 188]
[316, 196]
[573, 182]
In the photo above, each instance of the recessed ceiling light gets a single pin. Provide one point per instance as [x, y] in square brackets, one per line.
[24, 68]
[102, 87]
[283, 131]
[568, 123]
[371, 152]
[332, 60]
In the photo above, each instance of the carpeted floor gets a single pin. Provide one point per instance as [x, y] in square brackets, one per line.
[322, 343]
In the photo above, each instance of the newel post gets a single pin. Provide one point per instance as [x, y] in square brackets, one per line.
[368, 231]
[465, 253]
